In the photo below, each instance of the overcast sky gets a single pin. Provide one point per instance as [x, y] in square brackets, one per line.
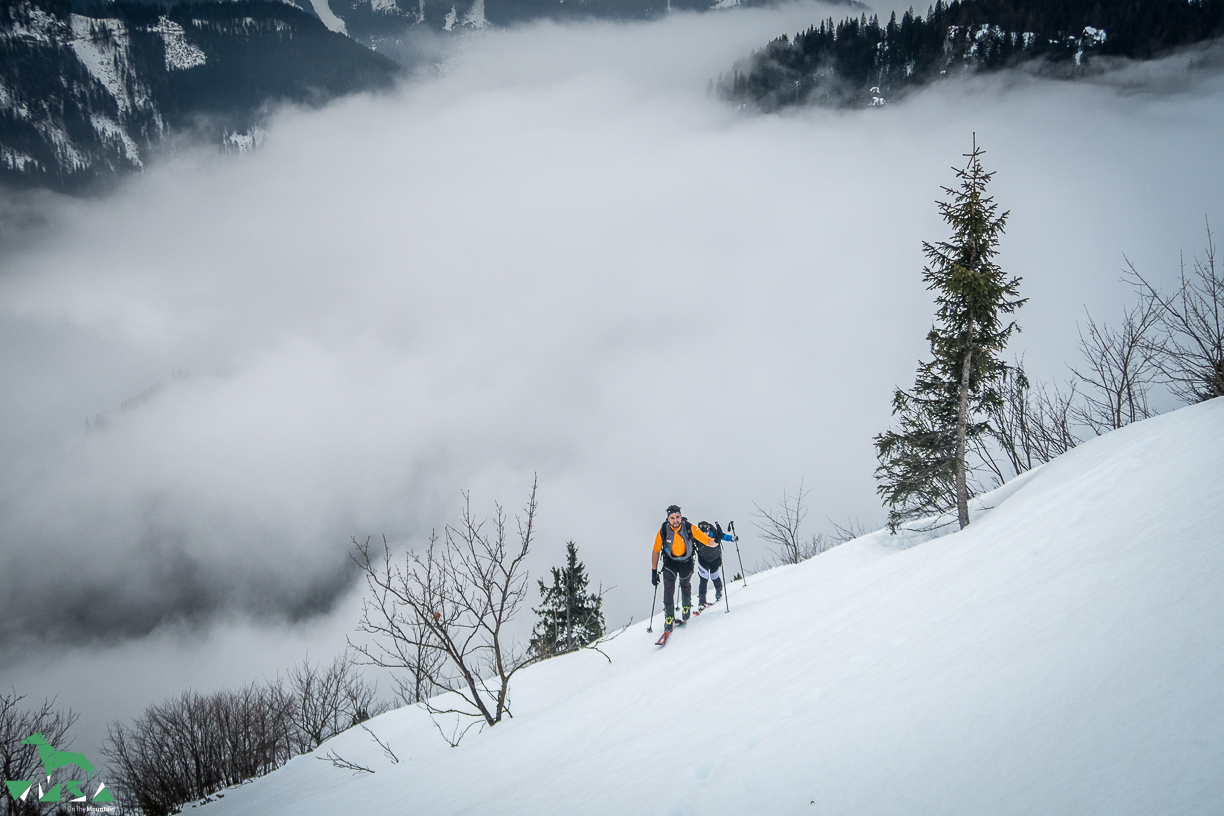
[558, 257]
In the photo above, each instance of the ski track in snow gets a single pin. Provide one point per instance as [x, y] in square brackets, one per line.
[1061, 655]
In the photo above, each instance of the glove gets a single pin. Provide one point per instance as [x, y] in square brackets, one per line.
[654, 577]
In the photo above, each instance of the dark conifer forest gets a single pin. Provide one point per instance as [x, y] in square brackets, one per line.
[861, 61]
[90, 93]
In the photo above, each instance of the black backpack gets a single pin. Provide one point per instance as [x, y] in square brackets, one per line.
[711, 555]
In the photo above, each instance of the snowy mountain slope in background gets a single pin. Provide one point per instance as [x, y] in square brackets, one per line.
[90, 96]
[1062, 655]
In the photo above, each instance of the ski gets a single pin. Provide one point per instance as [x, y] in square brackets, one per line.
[696, 610]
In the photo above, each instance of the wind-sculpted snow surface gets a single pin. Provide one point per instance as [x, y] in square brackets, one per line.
[1061, 655]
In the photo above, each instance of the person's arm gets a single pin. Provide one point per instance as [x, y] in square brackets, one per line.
[702, 538]
[658, 548]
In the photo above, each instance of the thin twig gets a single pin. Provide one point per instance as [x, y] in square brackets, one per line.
[594, 645]
[343, 764]
[386, 748]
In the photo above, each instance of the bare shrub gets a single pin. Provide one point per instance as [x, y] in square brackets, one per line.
[780, 529]
[1190, 347]
[852, 529]
[1119, 369]
[193, 745]
[442, 615]
[329, 700]
[1032, 425]
[20, 762]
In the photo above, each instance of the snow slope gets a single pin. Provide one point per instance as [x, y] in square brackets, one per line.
[1062, 655]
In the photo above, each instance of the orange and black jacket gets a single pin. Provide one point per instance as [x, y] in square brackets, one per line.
[679, 545]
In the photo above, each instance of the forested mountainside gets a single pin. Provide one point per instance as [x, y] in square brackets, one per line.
[378, 21]
[391, 26]
[88, 94]
[861, 61]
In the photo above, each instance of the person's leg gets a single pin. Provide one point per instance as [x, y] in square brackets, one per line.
[702, 574]
[685, 574]
[718, 584]
[669, 598]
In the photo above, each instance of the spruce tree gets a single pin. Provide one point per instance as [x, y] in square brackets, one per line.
[922, 464]
[569, 616]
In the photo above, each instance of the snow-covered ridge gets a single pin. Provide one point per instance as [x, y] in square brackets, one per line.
[38, 26]
[329, 18]
[243, 26]
[66, 153]
[981, 35]
[89, 100]
[15, 159]
[104, 48]
[1060, 655]
[180, 54]
[107, 134]
[113, 133]
[475, 16]
[243, 143]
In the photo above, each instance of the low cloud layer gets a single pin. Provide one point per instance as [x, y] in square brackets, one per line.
[558, 257]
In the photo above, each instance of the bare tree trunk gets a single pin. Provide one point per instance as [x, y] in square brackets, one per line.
[962, 422]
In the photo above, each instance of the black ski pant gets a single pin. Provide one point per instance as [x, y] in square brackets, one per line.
[671, 571]
[709, 573]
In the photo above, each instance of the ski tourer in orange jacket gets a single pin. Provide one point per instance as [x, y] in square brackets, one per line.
[677, 541]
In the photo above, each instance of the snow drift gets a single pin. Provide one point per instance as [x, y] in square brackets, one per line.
[1061, 655]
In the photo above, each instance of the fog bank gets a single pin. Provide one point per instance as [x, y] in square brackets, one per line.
[559, 257]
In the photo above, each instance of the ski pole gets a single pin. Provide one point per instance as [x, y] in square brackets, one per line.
[727, 592]
[654, 598]
[735, 538]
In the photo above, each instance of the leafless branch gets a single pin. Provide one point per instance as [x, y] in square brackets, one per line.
[386, 748]
[1190, 348]
[459, 731]
[594, 645]
[1120, 367]
[1033, 426]
[343, 764]
[780, 529]
[853, 529]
